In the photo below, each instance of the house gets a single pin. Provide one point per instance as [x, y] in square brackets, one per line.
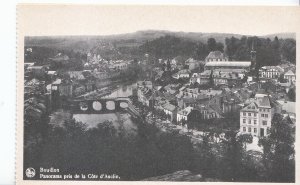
[290, 108]
[170, 110]
[120, 65]
[256, 117]
[243, 94]
[28, 64]
[76, 75]
[191, 102]
[226, 77]
[290, 76]
[60, 58]
[145, 96]
[37, 71]
[147, 84]
[190, 92]
[210, 93]
[216, 56]
[172, 88]
[242, 65]
[201, 78]
[208, 112]
[192, 64]
[270, 72]
[185, 73]
[159, 75]
[183, 114]
[195, 78]
[227, 102]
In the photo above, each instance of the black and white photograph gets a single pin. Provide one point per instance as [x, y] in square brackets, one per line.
[157, 102]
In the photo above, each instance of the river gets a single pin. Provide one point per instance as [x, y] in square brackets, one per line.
[121, 121]
[122, 91]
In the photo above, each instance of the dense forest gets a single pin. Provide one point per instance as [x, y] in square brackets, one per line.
[150, 152]
[268, 52]
[270, 49]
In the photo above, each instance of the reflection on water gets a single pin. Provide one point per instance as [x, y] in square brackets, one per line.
[123, 91]
[119, 121]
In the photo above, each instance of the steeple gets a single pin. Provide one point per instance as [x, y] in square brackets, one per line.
[253, 56]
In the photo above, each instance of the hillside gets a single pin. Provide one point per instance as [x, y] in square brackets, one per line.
[86, 43]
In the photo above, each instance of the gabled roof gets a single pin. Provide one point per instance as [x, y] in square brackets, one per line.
[264, 102]
[251, 107]
[290, 72]
[185, 111]
[184, 71]
[216, 55]
[169, 107]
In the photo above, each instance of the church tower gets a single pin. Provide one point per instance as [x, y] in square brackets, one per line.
[253, 57]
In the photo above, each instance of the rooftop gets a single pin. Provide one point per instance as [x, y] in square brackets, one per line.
[229, 64]
[288, 106]
[169, 107]
[216, 55]
[290, 72]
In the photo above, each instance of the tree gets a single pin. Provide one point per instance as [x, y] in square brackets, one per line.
[205, 159]
[292, 95]
[245, 139]
[288, 50]
[220, 46]
[278, 151]
[211, 44]
[201, 51]
[232, 44]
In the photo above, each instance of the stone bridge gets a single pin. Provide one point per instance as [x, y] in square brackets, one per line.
[103, 106]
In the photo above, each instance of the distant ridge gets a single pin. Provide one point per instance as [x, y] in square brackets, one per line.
[138, 37]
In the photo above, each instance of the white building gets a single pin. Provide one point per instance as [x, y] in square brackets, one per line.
[169, 110]
[182, 74]
[271, 72]
[256, 117]
[290, 76]
[241, 65]
[183, 114]
[216, 56]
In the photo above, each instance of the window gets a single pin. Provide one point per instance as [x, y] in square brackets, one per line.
[244, 129]
[254, 122]
[244, 114]
[255, 114]
[264, 122]
[266, 115]
[249, 121]
[255, 130]
[260, 110]
[262, 115]
[249, 129]
[249, 114]
[244, 120]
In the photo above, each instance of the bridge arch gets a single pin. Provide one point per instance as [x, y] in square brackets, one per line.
[97, 106]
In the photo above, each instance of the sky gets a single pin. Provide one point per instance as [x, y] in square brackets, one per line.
[108, 20]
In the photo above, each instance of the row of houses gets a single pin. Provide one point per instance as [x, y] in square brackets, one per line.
[274, 72]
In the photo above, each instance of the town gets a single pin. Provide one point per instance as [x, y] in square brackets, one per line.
[200, 99]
